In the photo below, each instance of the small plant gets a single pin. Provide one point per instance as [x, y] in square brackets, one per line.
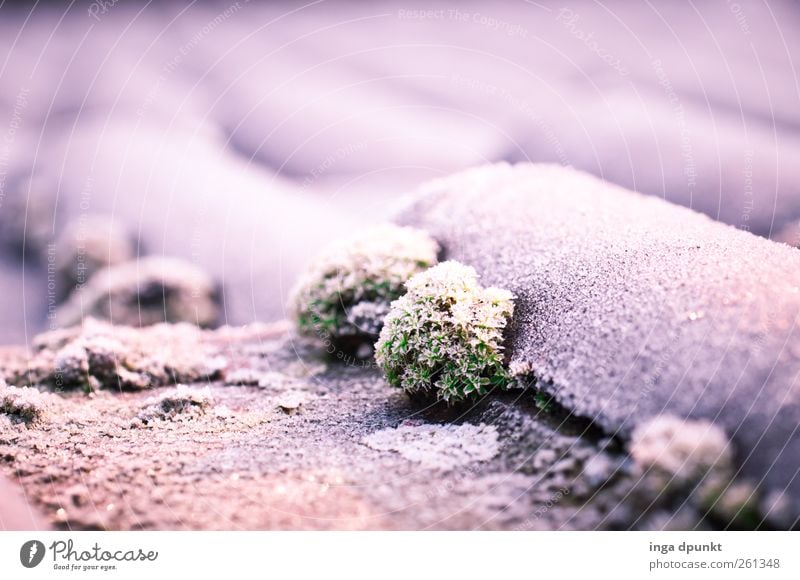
[346, 293]
[445, 335]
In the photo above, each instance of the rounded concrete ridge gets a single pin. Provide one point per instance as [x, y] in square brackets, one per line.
[629, 307]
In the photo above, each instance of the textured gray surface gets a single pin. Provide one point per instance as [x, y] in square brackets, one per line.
[356, 454]
[628, 306]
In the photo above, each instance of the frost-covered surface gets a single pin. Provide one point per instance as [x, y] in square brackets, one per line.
[627, 307]
[694, 459]
[144, 292]
[181, 404]
[270, 447]
[98, 355]
[445, 335]
[23, 404]
[438, 446]
[345, 294]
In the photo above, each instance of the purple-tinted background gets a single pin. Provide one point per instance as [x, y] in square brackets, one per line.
[243, 136]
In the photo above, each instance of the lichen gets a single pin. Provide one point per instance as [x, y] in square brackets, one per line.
[445, 335]
[345, 294]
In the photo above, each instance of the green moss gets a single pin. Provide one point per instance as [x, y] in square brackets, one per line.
[445, 335]
[345, 295]
[543, 401]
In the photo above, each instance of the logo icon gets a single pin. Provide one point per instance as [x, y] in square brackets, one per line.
[31, 553]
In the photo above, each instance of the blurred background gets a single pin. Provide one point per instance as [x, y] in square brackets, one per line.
[227, 142]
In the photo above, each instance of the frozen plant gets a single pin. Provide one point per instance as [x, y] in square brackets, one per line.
[682, 452]
[445, 335]
[344, 296]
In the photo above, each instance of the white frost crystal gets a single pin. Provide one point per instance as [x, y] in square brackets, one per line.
[23, 404]
[179, 404]
[445, 336]
[438, 446]
[346, 292]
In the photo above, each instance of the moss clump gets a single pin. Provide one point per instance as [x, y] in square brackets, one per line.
[445, 335]
[345, 295]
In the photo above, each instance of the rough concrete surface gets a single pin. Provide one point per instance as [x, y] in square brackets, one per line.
[628, 307]
[240, 452]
